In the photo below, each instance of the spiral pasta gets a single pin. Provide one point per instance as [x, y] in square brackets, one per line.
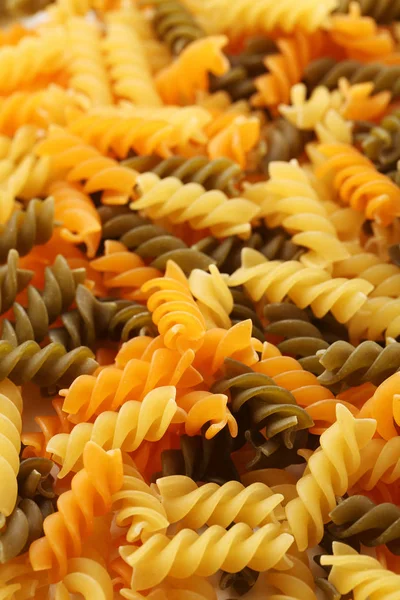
[380, 11]
[174, 311]
[175, 25]
[212, 296]
[13, 280]
[193, 204]
[35, 442]
[11, 426]
[87, 577]
[363, 575]
[233, 550]
[327, 476]
[379, 463]
[126, 429]
[130, 73]
[305, 286]
[90, 495]
[195, 506]
[359, 184]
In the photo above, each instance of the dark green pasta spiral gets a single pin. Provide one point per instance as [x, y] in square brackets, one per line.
[34, 478]
[219, 173]
[380, 142]
[93, 320]
[12, 281]
[238, 82]
[350, 365]
[27, 228]
[270, 407]
[329, 590]
[382, 11]
[360, 518]
[48, 366]
[327, 72]
[32, 322]
[174, 24]
[394, 250]
[243, 309]
[283, 142]
[241, 582]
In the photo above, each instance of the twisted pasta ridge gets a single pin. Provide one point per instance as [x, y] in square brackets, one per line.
[284, 141]
[379, 463]
[379, 141]
[212, 295]
[289, 200]
[211, 504]
[32, 322]
[243, 309]
[191, 203]
[266, 16]
[76, 211]
[174, 311]
[241, 582]
[238, 82]
[35, 442]
[207, 54]
[328, 72]
[125, 57]
[296, 582]
[354, 365]
[327, 476]
[126, 429]
[34, 478]
[286, 68]
[90, 496]
[191, 588]
[207, 413]
[51, 365]
[26, 229]
[377, 319]
[382, 12]
[221, 173]
[175, 25]
[83, 162]
[233, 550]
[17, 8]
[305, 286]
[10, 432]
[236, 140]
[361, 574]
[383, 406]
[142, 372]
[359, 183]
[32, 58]
[12, 280]
[88, 74]
[371, 524]
[269, 405]
[86, 577]
[24, 525]
[360, 36]
[301, 337]
[139, 507]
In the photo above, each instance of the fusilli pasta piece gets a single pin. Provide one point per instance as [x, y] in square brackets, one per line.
[86, 577]
[175, 25]
[213, 296]
[11, 427]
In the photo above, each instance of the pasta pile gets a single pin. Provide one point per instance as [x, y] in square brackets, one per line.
[200, 299]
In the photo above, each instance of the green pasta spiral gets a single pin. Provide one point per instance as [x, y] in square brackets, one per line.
[350, 365]
[359, 518]
[32, 322]
[93, 320]
[174, 24]
[243, 308]
[268, 454]
[238, 82]
[12, 281]
[46, 367]
[327, 72]
[219, 173]
[28, 228]
[380, 142]
[241, 582]
[383, 11]
[34, 478]
[271, 407]
[283, 142]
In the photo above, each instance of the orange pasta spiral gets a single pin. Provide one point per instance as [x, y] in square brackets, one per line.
[90, 496]
[359, 183]
[384, 406]
[175, 312]
[50, 425]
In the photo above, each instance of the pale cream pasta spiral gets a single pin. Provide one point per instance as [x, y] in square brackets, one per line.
[87, 578]
[213, 296]
[10, 442]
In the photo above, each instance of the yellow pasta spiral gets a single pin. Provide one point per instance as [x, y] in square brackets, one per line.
[211, 504]
[87, 578]
[129, 70]
[213, 296]
[10, 444]
[126, 429]
[327, 476]
[378, 318]
[305, 286]
[289, 200]
[138, 507]
[189, 553]
[191, 203]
